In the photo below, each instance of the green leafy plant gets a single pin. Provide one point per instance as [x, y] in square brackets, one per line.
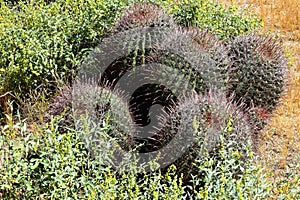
[44, 42]
[211, 15]
[50, 164]
[41, 41]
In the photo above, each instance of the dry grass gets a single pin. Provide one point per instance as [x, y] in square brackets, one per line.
[282, 16]
[280, 146]
[280, 141]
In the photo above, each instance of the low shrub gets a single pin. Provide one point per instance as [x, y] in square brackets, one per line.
[48, 164]
[40, 42]
[211, 15]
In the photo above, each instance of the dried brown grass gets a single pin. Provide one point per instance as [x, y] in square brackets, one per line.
[282, 16]
[279, 147]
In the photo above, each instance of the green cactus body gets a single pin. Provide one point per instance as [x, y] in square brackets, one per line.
[179, 71]
[258, 73]
[209, 43]
[171, 61]
[207, 117]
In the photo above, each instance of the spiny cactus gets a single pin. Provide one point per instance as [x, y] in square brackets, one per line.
[215, 48]
[182, 70]
[61, 105]
[143, 15]
[209, 57]
[258, 74]
[169, 69]
[209, 117]
[100, 105]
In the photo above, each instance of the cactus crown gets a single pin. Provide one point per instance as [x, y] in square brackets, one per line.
[143, 15]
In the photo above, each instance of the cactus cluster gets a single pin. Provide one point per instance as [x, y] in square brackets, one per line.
[201, 82]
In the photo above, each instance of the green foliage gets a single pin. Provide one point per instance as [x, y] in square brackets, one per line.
[229, 175]
[41, 42]
[211, 15]
[49, 164]
[220, 180]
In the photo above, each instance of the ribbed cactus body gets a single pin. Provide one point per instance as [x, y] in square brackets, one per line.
[216, 49]
[258, 73]
[210, 118]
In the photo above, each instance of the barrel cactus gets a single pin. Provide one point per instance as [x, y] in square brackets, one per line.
[215, 48]
[258, 73]
[211, 118]
[102, 107]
